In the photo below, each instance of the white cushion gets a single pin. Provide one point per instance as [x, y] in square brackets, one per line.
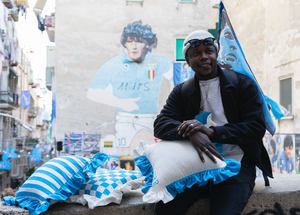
[171, 166]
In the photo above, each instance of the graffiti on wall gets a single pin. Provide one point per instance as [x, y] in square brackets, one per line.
[277, 211]
[72, 143]
[131, 83]
[284, 151]
[91, 142]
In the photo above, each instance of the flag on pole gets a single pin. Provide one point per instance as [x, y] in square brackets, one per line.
[231, 56]
[53, 115]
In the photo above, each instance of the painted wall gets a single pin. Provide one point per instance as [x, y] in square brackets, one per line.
[103, 89]
[269, 33]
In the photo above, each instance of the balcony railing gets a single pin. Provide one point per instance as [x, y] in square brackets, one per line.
[9, 97]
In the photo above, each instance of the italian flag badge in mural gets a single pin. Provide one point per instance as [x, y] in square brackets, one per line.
[151, 71]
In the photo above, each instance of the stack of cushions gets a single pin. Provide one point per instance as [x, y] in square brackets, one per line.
[171, 166]
[55, 181]
[107, 186]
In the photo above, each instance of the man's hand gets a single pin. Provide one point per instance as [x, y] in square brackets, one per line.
[189, 127]
[202, 143]
[201, 137]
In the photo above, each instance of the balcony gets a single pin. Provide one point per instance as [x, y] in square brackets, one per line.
[19, 2]
[32, 112]
[14, 13]
[9, 100]
[50, 26]
[30, 82]
[51, 33]
[8, 3]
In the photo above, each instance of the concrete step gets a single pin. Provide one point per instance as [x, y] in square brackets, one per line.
[281, 198]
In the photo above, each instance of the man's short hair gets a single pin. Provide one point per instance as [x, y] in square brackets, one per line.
[288, 141]
[136, 29]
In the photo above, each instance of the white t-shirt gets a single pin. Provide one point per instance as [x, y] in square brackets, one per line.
[211, 101]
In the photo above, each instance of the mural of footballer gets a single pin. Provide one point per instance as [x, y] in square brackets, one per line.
[131, 81]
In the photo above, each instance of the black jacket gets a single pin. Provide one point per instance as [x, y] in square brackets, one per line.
[243, 110]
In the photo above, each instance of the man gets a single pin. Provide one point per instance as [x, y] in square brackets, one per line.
[234, 102]
[131, 82]
[286, 159]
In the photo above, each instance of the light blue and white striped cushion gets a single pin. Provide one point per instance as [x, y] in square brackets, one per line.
[56, 180]
[107, 186]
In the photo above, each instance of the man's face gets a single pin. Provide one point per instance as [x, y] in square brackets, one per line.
[135, 48]
[288, 151]
[203, 60]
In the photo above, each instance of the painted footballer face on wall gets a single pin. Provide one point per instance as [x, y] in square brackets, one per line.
[136, 48]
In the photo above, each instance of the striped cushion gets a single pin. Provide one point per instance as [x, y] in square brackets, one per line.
[56, 180]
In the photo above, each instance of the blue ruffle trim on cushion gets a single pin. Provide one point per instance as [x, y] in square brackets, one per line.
[146, 168]
[69, 188]
[232, 168]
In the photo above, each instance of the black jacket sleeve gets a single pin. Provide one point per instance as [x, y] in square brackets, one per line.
[170, 117]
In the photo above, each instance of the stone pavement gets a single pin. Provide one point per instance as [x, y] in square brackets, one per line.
[281, 198]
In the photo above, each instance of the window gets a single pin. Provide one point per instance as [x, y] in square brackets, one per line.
[179, 45]
[214, 31]
[286, 93]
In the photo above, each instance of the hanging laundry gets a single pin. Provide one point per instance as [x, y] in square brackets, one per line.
[13, 55]
[40, 24]
[1, 60]
[5, 14]
[2, 17]
[48, 21]
[23, 9]
[1, 46]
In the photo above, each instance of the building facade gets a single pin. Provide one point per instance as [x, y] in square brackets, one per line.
[268, 32]
[22, 104]
[106, 84]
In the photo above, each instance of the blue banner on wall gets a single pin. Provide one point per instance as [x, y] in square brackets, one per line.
[26, 99]
[182, 72]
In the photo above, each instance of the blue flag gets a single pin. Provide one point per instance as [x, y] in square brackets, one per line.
[26, 100]
[53, 114]
[231, 57]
